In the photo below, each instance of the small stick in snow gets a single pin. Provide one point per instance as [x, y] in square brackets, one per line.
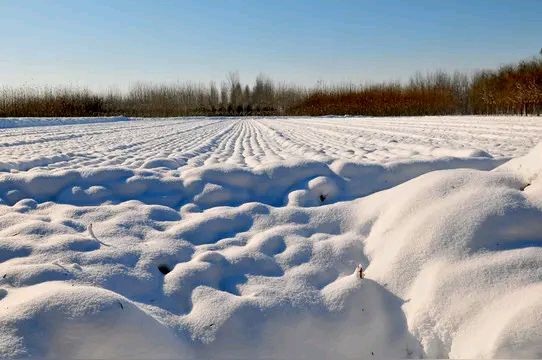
[56, 263]
[359, 271]
[91, 233]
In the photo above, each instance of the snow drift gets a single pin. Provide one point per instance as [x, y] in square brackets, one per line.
[8, 123]
[234, 262]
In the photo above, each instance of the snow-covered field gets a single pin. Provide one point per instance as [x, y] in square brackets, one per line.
[240, 238]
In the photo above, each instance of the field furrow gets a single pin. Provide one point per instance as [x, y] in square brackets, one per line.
[253, 142]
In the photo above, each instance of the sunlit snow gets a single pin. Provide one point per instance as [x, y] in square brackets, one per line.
[242, 238]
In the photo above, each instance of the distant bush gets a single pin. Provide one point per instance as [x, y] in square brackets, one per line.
[512, 89]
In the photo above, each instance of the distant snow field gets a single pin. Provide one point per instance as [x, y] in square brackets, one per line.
[223, 238]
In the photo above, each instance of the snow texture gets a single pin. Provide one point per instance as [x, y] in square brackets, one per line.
[244, 238]
[8, 123]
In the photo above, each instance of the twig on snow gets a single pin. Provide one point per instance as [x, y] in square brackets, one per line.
[91, 233]
[359, 271]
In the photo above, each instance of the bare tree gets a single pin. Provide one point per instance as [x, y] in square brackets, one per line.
[213, 97]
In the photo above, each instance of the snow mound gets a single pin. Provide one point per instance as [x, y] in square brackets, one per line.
[73, 320]
[298, 182]
[453, 244]
[161, 163]
[222, 261]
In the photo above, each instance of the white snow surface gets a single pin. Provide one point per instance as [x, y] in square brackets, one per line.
[222, 238]
[8, 123]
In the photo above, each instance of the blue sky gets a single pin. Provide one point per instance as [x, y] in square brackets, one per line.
[98, 43]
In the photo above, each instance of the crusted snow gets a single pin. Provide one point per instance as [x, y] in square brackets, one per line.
[240, 238]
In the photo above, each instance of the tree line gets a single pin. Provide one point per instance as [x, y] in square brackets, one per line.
[511, 89]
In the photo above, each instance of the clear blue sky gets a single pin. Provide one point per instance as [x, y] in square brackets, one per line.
[99, 43]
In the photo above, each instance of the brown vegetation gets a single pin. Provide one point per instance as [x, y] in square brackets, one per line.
[512, 89]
